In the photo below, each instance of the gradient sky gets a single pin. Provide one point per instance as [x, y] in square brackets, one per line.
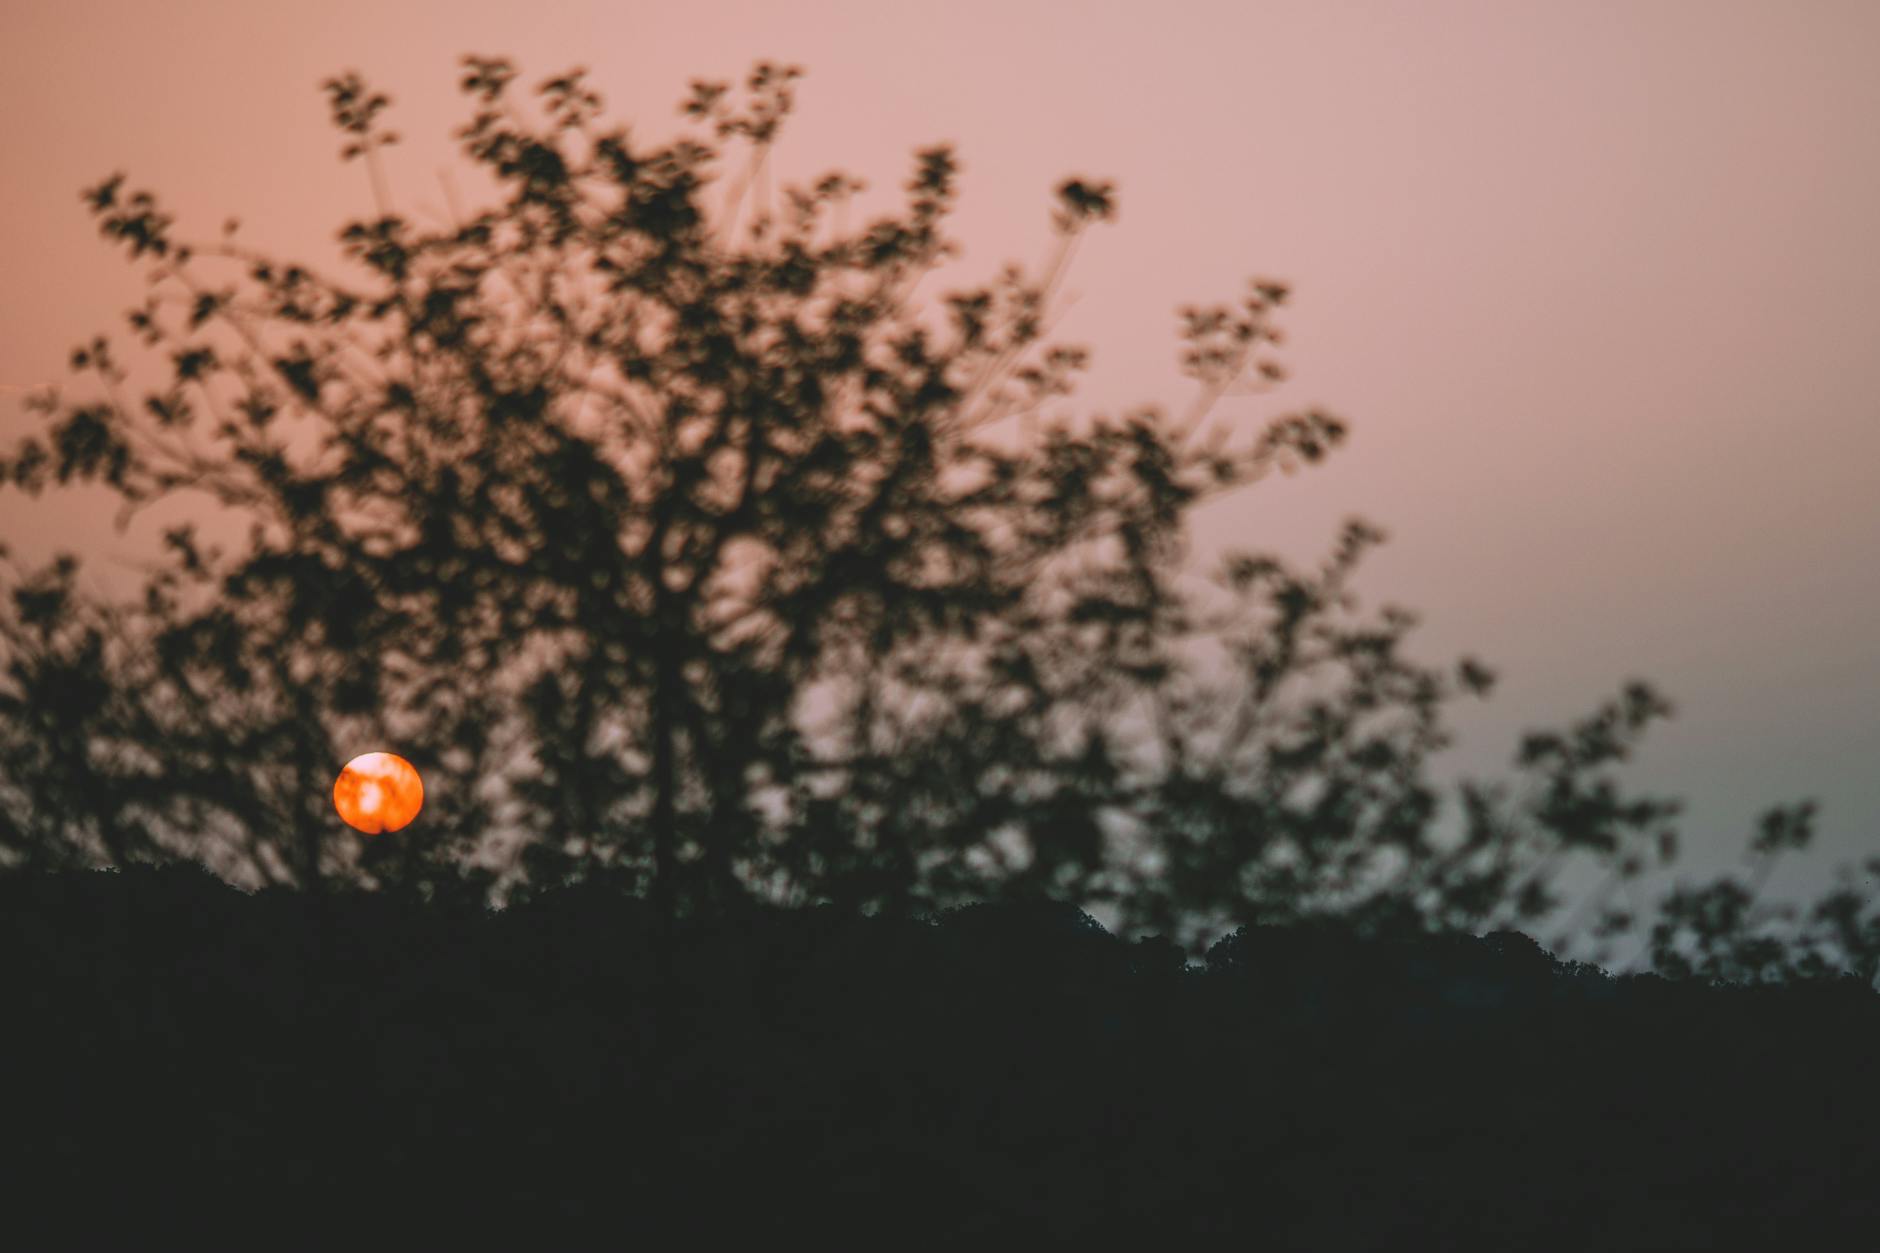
[1593, 282]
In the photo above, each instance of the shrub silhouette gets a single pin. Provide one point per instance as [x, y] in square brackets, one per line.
[317, 1067]
[685, 550]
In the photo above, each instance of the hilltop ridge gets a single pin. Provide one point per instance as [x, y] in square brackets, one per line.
[190, 1057]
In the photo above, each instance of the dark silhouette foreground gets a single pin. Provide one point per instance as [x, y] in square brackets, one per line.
[364, 1069]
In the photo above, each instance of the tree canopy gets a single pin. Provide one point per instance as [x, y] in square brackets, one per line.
[681, 543]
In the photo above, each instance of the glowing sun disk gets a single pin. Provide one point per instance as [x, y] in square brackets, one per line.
[378, 792]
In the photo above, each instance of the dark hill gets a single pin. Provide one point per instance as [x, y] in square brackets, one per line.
[281, 1070]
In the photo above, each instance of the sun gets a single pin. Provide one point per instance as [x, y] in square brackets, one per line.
[378, 792]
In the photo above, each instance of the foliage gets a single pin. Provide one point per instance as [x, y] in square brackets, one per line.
[689, 549]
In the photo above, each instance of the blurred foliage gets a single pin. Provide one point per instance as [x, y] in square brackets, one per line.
[683, 547]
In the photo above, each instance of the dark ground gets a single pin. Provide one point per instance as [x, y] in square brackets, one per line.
[360, 1072]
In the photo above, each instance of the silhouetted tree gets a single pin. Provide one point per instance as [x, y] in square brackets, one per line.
[688, 548]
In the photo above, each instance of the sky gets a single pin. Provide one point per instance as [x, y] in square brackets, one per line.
[1590, 282]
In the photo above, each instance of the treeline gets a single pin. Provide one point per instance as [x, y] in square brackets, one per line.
[286, 1067]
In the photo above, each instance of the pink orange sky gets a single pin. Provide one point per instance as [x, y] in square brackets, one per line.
[1593, 283]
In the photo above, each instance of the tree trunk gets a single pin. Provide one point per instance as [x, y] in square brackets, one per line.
[665, 775]
[665, 888]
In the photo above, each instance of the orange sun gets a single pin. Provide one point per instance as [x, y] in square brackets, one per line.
[378, 792]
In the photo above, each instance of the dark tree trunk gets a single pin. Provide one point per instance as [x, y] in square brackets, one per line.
[665, 776]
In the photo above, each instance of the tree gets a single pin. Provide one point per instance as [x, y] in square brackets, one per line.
[689, 548]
